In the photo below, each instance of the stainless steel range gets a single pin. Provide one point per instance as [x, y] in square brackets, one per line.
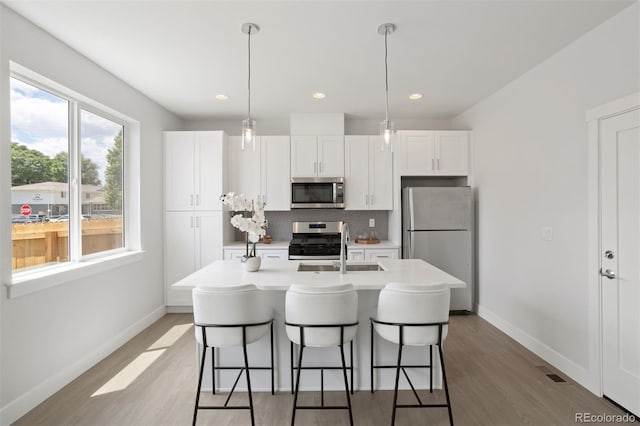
[315, 240]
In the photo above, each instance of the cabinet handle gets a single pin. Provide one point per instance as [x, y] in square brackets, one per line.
[366, 199]
[433, 164]
[438, 162]
[197, 199]
[264, 200]
[371, 199]
[197, 221]
[321, 166]
[315, 167]
[191, 221]
[191, 200]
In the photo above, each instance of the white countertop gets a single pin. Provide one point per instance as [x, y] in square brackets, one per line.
[383, 244]
[281, 274]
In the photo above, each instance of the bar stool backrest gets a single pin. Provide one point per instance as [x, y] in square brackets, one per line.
[413, 303]
[229, 305]
[321, 304]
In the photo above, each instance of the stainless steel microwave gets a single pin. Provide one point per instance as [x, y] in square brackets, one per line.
[317, 193]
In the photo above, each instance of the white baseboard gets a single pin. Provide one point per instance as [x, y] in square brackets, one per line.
[576, 372]
[179, 309]
[30, 399]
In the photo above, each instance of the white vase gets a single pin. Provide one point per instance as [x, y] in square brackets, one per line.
[251, 264]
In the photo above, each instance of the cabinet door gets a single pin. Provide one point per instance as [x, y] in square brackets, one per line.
[380, 176]
[378, 254]
[209, 170]
[304, 156]
[244, 169]
[180, 255]
[416, 153]
[356, 172]
[179, 170]
[275, 172]
[452, 153]
[355, 254]
[208, 230]
[280, 254]
[331, 156]
[233, 254]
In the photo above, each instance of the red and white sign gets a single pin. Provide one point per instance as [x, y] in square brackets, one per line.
[25, 210]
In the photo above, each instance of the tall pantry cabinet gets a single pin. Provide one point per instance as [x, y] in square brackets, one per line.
[195, 231]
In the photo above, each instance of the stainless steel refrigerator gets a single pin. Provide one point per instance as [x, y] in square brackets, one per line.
[437, 227]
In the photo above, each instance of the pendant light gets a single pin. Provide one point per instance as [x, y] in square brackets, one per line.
[386, 126]
[248, 124]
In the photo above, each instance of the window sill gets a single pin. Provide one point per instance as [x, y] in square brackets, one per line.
[30, 282]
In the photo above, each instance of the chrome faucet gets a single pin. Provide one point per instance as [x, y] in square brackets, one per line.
[344, 236]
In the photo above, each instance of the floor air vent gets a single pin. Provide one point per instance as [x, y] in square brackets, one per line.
[547, 372]
[556, 378]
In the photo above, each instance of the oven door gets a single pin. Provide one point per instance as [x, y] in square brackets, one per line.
[310, 193]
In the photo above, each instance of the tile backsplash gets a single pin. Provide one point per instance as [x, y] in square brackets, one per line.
[280, 222]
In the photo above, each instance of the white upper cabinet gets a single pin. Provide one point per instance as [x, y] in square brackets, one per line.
[193, 170]
[439, 153]
[368, 174]
[262, 174]
[317, 156]
[275, 182]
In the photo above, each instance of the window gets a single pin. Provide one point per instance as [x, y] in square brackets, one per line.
[60, 146]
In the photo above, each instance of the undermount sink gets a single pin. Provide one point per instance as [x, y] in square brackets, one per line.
[334, 267]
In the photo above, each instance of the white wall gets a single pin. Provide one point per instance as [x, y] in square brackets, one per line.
[529, 160]
[49, 337]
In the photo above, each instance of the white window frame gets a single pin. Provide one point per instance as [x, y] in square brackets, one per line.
[79, 266]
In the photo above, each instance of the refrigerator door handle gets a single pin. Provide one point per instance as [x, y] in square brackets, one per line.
[411, 211]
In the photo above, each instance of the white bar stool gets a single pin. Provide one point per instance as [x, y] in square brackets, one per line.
[224, 316]
[321, 316]
[414, 315]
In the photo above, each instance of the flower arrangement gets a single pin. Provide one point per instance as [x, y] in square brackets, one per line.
[248, 217]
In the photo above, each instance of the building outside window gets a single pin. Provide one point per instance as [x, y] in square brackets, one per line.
[67, 178]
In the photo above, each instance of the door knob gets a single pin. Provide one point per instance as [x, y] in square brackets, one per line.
[608, 273]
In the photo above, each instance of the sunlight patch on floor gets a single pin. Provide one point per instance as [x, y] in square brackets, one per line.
[170, 337]
[128, 374]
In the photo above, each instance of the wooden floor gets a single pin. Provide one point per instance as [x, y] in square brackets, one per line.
[492, 380]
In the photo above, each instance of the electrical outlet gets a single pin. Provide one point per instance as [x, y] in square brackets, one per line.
[372, 223]
[546, 232]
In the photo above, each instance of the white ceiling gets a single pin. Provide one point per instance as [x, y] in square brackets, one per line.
[181, 54]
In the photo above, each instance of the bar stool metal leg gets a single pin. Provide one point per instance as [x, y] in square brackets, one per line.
[246, 370]
[204, 354]
[371, 354]
[213, 370]
[297, 387]
[273, 390]
[344, 374]
[395, 390]
[446, 387]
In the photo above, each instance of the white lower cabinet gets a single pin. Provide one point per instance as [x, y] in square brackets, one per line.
[193, 240]
[378, 254]
[265, 253]
[371, 254]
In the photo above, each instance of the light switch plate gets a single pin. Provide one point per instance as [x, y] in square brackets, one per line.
[546, 232]
[372, 223]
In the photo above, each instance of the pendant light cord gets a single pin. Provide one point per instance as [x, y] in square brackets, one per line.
[386, 78]
[249, 75]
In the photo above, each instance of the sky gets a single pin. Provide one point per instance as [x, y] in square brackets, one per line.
[39, 120]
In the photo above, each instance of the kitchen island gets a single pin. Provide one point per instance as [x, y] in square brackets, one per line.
[276, 276]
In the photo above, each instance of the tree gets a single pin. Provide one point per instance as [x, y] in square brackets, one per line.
[113, 175]
[28, 165]
[59, 168]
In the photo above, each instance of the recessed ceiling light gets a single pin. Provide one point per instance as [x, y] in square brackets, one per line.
[319, 95]
[222, 97]
[415, 96]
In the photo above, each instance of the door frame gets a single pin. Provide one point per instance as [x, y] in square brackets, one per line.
[593, 118]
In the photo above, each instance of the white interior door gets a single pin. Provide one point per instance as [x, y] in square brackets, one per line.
[620, 281]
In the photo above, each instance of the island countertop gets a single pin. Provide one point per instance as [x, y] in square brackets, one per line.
[281, 274]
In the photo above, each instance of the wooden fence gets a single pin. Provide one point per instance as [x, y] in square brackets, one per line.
[48, 242]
